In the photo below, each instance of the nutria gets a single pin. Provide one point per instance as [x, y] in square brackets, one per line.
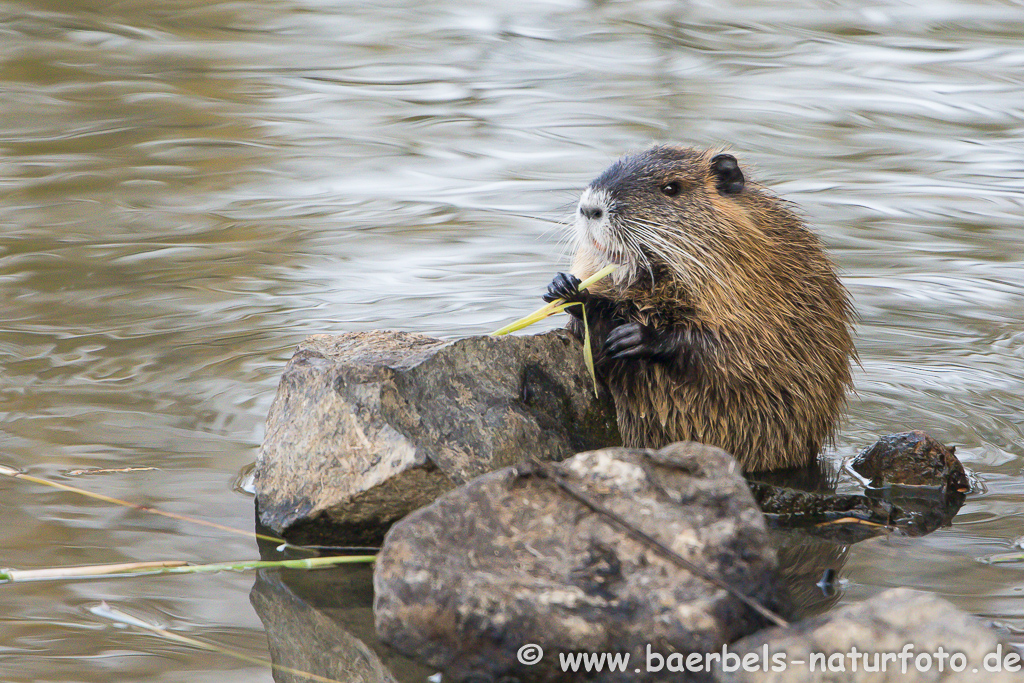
[727, 323]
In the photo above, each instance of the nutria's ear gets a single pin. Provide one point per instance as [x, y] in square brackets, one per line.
[728, 174]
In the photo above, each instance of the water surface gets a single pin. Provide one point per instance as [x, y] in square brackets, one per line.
[188, 189]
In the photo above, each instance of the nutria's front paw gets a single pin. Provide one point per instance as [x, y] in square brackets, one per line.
[631, 340]
[563, 286]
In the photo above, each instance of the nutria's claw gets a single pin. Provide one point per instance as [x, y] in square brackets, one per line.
[631, 340]
[563, 286]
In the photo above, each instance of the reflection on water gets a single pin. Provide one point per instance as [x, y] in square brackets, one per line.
[190, 188]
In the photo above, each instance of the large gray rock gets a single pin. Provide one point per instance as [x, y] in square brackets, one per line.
[369, 426]
[510, 560]
[883, 625]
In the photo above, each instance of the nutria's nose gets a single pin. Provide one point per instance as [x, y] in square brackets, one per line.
[591, 211]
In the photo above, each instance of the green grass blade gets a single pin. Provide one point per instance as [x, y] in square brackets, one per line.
[555, 306]
[588, 350]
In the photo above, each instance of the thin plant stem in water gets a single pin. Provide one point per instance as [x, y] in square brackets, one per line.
[105, 611]
[1004, 558]
[101, 571]
[15, 474]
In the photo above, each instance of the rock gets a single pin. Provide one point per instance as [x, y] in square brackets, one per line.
[805, 508]
[369, 426]
[509, 560]
[917, 486]
[911, 459]
[885, 624]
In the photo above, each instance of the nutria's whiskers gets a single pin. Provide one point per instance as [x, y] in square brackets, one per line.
[669, 252]
[640, 264]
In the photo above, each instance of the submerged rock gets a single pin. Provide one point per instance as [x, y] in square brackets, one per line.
[369, 426]
[911, 459]
[916, 486]
[511, 560]
[318, 622]
[873, 641]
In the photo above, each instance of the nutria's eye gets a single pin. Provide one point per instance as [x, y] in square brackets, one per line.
[729, 177]
[670, 189]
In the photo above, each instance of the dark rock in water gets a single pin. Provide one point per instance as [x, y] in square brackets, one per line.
[922, 627]
[369, 426]
[510, 560]
[917, 486]
[911, 459]
[319, 622]
[792, 508]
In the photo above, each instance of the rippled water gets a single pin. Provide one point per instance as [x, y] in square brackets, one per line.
[190, 188]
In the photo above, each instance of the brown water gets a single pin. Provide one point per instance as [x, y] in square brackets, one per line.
[188, 188]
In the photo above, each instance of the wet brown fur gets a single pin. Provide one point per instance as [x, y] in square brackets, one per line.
[766, 319]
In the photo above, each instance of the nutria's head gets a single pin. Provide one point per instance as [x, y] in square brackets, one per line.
[687, 225]
[657, 210]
